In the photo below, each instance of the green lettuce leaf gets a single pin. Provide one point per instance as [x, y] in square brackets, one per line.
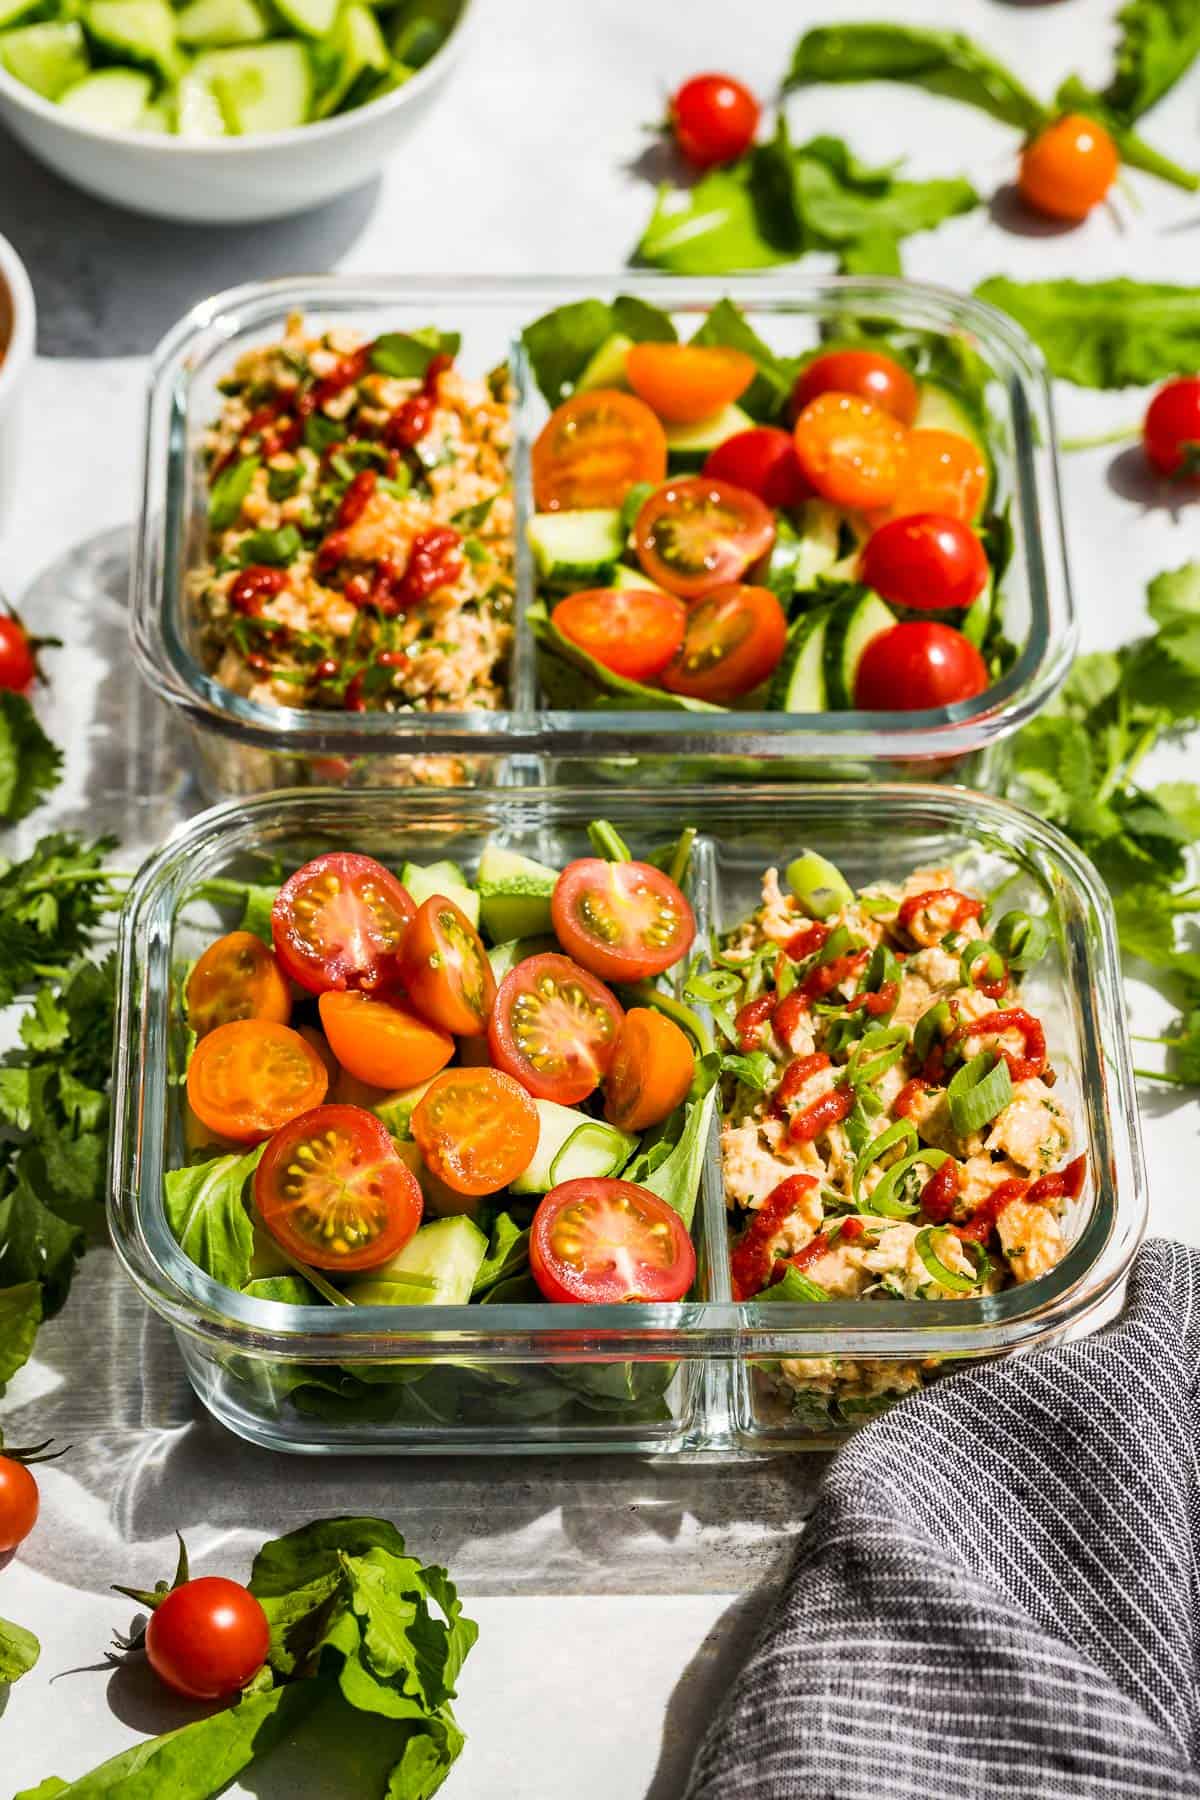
[671, 1159]
[19, 1651]
[408, 354]
[1105, 334]
[945, 62]
[1174, 596]
[1160, 40]
[561, 343]
[768, 394]
[206, 1210]
[20, 1316]
[508, 1254]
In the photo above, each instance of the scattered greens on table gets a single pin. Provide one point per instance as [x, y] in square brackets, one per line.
[1105, 334]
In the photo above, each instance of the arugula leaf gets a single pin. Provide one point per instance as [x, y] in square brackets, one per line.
[20, 1316]
[726, 326]
[671, 1159]
[945, 62]
[508, 1254]
[229, 490]
[561, 343]
[1160, 39]
[712, 228]
[753, 1071]
[30, 765]
[1105, 334]
[19, 1651]
[36, 1245]
[407, 354]
[1175, 595]
[206, 1210]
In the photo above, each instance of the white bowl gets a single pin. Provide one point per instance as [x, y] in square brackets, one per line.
[18, 336]
[227, 181]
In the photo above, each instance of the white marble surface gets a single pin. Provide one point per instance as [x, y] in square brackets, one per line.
[613, 1596]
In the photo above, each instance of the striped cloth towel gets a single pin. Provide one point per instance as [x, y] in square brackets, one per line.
[996, 1597]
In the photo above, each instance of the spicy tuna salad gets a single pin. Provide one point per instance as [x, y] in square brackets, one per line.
[360, 541]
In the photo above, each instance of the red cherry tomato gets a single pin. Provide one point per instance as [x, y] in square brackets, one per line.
[208, 1638]
[340, 922]
[762, 462]
[1068, 168]
[631, 631]
[332, 1190]
[623, 921]
[928, 560]
[734, 639]
[714, 119]
[866, 373]
[445, 969]
[19, 1502]
[17, 664]
[554, 1028]
[695, 534]
[599, 1242]
[917, 665]
[1171, 433]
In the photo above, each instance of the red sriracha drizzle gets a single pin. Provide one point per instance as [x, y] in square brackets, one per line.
[796, 1074]
[807, 940]
[346, 371]
[254, 585]
[1062, 1184]
[750, 1020]
[788, 1014]
[355, 498]
[411, 420]
[1021, 1068]
[752, 1259]
[940, 1192]
[874, 1004]
[902, 1104]
[980, 1225]
[965, 908]
[824, 1113]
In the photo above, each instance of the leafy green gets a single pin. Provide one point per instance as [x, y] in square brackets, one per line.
[671, 1158]
[229, 490]
[1105, 334]
[274, 548]
[726, 325]
[561, 343]
[30, 764]
[945, 62]
[792, 1286]
[1160, 39]
[408, 354]
[507, 1255]
[20, 1316]
[206, 1210]
[19, 1651]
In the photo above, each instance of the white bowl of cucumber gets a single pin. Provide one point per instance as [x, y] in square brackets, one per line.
[221, 111]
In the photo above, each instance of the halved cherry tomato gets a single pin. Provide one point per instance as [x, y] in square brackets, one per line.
[554, 1028]
[714, 119]
[383, 1042]
[625, 921]
[695, 534]
[632, 631]
[734, 639]
[879, 379]
[917, 665]
[477, 1129]
[332, 1189]
[925, 560]
[940, 472]
[1171, 431]
[684, 383]
[763, 462]
[340, 922]
[208, 1638]
[598, 1242]
[594, 448]
[850, 450]
[445, 968]
[248, 1078]
[1068, 168]
[651, 1070]
[236, 978]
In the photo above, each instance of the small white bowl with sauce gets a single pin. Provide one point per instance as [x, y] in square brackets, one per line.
[18, 336]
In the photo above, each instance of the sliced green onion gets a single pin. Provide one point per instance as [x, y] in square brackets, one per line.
[930, 1025]
[785, 978]
[682, 854]
[927, 1243]
[840, 942]
[885, 1198]
[881, 969]
[1021, 938]
[980, 951]
[981, 1089]
[712, 984]
[952, 943]
[607, 842]
[876, 1052]
[795, 1285]
[877, 906]
[818, 884]
[902, 1132]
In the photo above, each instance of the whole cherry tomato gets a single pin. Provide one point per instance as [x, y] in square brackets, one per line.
[1171, 432]
[714, 119]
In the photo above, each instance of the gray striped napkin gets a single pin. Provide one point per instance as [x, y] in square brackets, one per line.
[997, 1592]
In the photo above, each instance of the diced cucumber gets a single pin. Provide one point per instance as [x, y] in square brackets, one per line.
[139, 31]
[571, 1147]
[49, 58]
[156, 117]
[820, 528]
[222, 22]
[514, 894]
[116, 98]
[978, 615]
[606, 369]
[421, 27]
[262, 87]
[853, 622]
[361, 56]
[396, 1110]
[622, 576]
[798, 685]
[689, 445]
[13, 11]
[314, 18]
[818, 884]
[449, 1252]
[197, 114]
[576, 548]
[940, 409]
[445, 878]
[506, 956]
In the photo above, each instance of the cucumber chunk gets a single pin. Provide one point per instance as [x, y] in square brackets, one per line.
[940, 409]
[114, 98]
[448, 1252]
[313, 18]
[262, 87]
[396, 1110]
[197, 114]
[853, 622]
[576, 548]
[689, 445]
[514, 894]
[818, 884]
[139, 31]
[359, 55]
[421, 27]
[13, 11]
[49, 58]
[622, 576]
[606, 369]
[156, 117]
[506, 956]
[798, 685]
[445, 878]
[222, 22]
[572, 1147]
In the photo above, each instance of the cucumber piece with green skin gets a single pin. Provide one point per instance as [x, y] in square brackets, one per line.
[939, 409]
[259, 87]
[688, 446]
[156, 117]
[197, 114]
[853, 622]
[572, 1147]
[13, 11]
[361, 55]
[49, 58]
[444, 878]
[138, 31]
[606, 367]
[506, 956]
[114, 98]
[421, 27]
[448, 1252]
[222, 22]
[633, 580]
[798, 684]
[577, 548]
[818, 884]
[312, 18]
[514, 894]
[396, 1109]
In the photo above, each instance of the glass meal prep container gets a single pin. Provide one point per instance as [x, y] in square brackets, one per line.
[243, 744]
[697, 1375]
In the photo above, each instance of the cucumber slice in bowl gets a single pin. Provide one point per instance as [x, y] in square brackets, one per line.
[349, 61]
[137, 31]
[577, 548]
[262, 87]
[313, 18]
[197, 114]
[115, 98]
[853, 622]
[220, 23]
[572, 1147]
[49, 58]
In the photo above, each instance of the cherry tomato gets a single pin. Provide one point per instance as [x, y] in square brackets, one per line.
[340, 922]
[917, 665]
[927, 560]
[623, 921]
[236, 978]
[332, 1190]
[445, 968]
[735, 637]
[383, 1043]
[19, 1503]
[248, 1078]
[594, 448]
[850, 450]
[879, 379]
[1068, 168]
[597, 1242]
[714, 119]
[477, 1129]
[684, 383]
[695, 534]
[651, 1070]
[18, 666]
[940, 472]
[1171, 433]
[554, 1027]
[763, 462]
[208, 1638]
[633, 632]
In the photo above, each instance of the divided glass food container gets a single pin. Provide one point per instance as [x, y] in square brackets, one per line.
[701, 1376]
[244, 746]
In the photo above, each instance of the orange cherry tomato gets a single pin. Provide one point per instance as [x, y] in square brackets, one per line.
[383, 1043]
[631, 631]
[332, 1190]
[236, 978]
[445, 969]
[477, 1129]
[734, 639]
[594, 448]
[1068, 168]
[940, 472]
[879, 379]
[650, 1073]
[248, 1078]
[696, 533]
[684, 383]
[850, 450]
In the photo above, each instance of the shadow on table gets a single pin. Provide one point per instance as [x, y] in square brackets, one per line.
[1130, 477]
[702, 1688]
